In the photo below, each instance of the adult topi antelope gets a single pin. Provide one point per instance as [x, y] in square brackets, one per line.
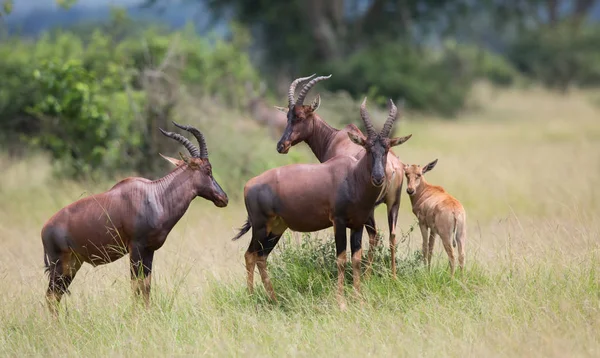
[263, 113]
[438, 213]
[309, 197]
[326, 142]
[134, 216]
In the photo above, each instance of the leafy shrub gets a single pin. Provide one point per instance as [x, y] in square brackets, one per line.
[86, 104]
[85, 122]
[438, 84]
[484, 64]
[559, 56]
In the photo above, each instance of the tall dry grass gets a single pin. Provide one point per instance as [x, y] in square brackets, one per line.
[526, 166]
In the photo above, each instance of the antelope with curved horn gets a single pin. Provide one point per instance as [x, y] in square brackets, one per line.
[309, 197]
[135, 216]
[264, 114]
[326, 142]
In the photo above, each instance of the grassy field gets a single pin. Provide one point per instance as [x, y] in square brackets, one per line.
[526, 166]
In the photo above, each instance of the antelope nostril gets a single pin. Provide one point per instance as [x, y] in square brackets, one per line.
[410, 191]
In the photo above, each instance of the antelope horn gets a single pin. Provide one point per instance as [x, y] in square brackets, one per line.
[199, 136]
[365, 117]
[292, 89]
[393, 115]
[181, 139]
[307, 88]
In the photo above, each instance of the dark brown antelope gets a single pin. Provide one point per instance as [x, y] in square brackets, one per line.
[266, 115]
[438, 214]
[309, 197]
[326, 142]
[134, 216]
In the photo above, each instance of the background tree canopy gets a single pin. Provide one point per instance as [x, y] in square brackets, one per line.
[122, 72]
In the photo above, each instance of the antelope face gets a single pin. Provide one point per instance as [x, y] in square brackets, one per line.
[377, 148]
[377, 145]
[299, 127]
[414, 174]
[205, 184]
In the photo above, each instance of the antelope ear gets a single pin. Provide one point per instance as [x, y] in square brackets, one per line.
[357, 139]
[283, 109]
[173, 161]
[316, 103]
[184, 158]
[399, 140]
[429, 166]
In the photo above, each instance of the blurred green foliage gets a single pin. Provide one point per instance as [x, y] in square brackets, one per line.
[86, 122]
[425, 81]
[559, 56]
[83, 96]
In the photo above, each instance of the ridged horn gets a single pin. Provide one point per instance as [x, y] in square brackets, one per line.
[292, 89]
[307, 88]
[389, 123]
[199, 136]
[194, 152]
[366, 119]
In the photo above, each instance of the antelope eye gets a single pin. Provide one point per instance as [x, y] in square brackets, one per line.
[418, 175]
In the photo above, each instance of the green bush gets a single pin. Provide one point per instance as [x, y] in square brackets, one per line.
[484, 64]
[86, 102]
[438, 84]
[85, 122]
[559, 56]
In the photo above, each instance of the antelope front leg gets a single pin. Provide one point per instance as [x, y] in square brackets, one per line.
[373, 242]
[140, 260]
[340, 250]
[392, 220]
[356, 249]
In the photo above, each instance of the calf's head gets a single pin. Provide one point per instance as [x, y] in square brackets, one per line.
[300, 117]
[197, 163]
[414, 175]
[376, 144]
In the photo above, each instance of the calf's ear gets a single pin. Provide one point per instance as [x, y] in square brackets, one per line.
[429, 166]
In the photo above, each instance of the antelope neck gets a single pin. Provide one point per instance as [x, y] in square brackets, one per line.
[175, 190]
[320, 138]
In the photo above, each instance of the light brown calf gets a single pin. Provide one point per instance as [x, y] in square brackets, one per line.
[438, 213]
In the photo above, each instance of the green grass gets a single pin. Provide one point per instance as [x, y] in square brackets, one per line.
[526, 167]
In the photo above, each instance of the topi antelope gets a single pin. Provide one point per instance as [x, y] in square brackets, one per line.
[309, 197]
[326, 142]
[438, 214]
[264, 114]
[135, 216]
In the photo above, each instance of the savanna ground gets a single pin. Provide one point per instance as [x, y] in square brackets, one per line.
[526, 166]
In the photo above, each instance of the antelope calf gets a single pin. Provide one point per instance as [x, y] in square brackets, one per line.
[134, 216]
[309, 197]
[438, 213]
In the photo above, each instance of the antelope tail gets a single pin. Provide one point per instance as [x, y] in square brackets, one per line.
[244, 229]
[458, 231]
